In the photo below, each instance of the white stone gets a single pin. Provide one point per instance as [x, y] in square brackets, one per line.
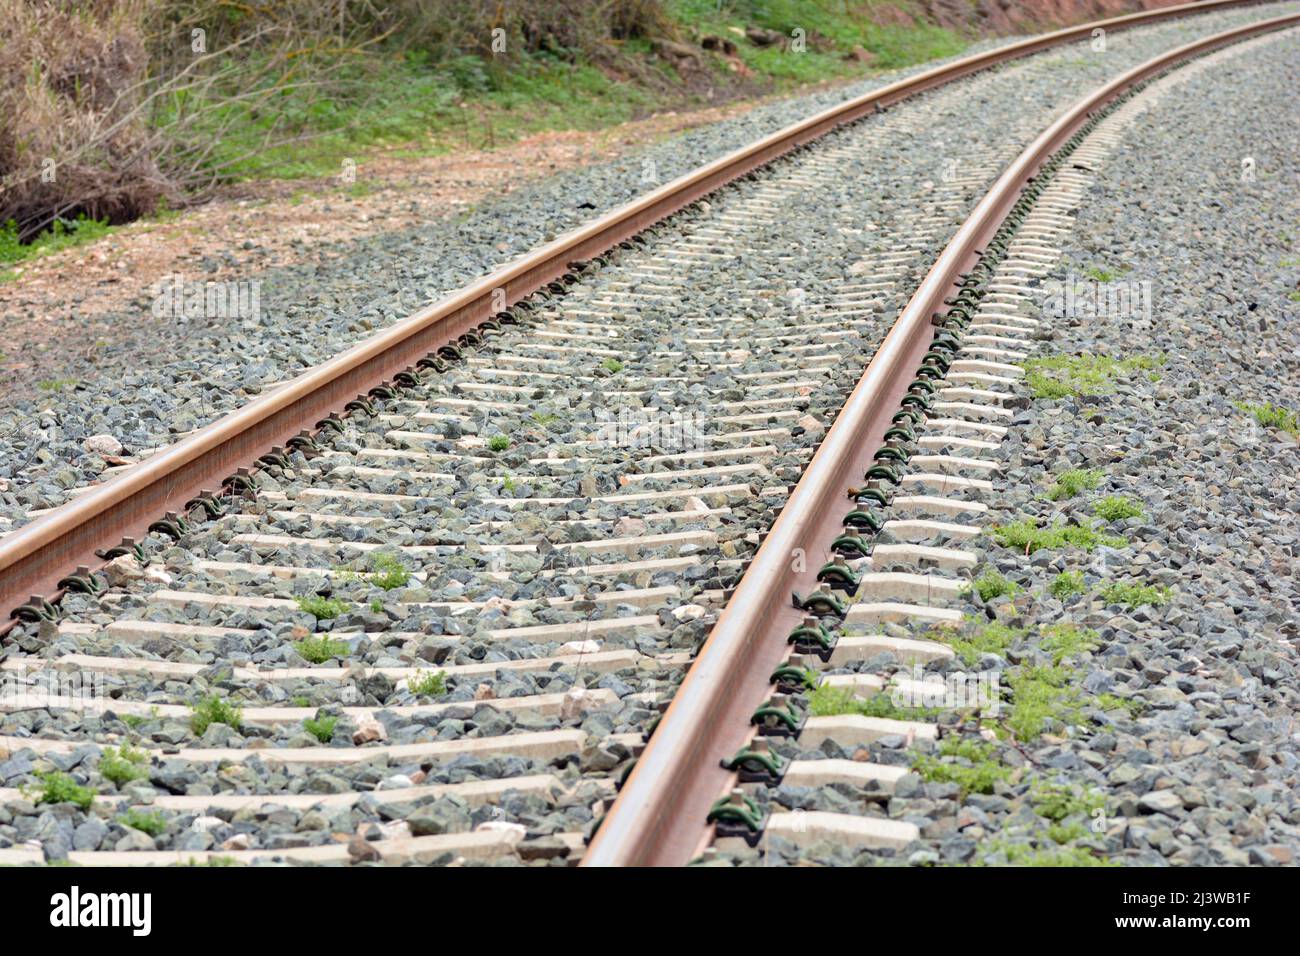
[103, 445]
[689, 612]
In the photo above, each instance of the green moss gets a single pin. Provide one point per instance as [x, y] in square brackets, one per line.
[1117, 508]
[215, 710]
[1131, 594]
[1026, 536]
[1272, 416]
[1070, 483]
[1067, 584]
[318, 650]
[1061, 376]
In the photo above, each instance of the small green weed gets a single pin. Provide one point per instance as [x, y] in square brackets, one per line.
[388, 572]
[59, 787]
[151, 823]
[499, 442]
[828, 701]
[991, 584]
[123, 764]
[428, 684]
[987, 639]
[318, 650]
[215, 710]
[1067, 584]
[1117, 508]
[1070, 483]
[322, 728]
[322, 608]
[613, 365]
[1131, 594]
[978, 774]
[1061, 376]
[1272, 416]
[1027, 537]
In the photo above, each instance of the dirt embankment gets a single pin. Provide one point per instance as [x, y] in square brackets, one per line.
[1000, 17]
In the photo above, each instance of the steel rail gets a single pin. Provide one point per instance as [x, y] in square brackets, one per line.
[659, 815]
[35, 557]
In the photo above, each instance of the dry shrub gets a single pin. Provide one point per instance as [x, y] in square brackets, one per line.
[130, 113]
[73, 140]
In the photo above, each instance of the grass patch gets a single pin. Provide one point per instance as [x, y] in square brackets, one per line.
[991, 584]
[1067, 584]
[214, 710]
[1066, 640]
[1062, 376]
[1272, 416]
[123, 764]
[318, 650]
[1041, 697]
[499, 442]
[1109, 702]
[1103, 275]
[428, 684]
[989, 639]
[1027, 536]
[387, 572]
[978, 772]
[322, 728]
[322, 608]
[613, 365]
[55, 385]
[1022, 854]
[1070, 483]
[1059, 801]
[151, 823]
[827, 701]
[64, 234]
[1117, 508]
[59, 787]
[1131, 594]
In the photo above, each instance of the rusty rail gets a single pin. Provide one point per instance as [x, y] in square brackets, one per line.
[36, 556]
[659, 815]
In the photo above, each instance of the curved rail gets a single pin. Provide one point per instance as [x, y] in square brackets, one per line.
[659, 815]
[36, 556]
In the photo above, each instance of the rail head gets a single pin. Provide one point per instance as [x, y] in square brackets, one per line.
[658, 818]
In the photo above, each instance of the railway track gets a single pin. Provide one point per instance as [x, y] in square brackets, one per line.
[450, 619]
